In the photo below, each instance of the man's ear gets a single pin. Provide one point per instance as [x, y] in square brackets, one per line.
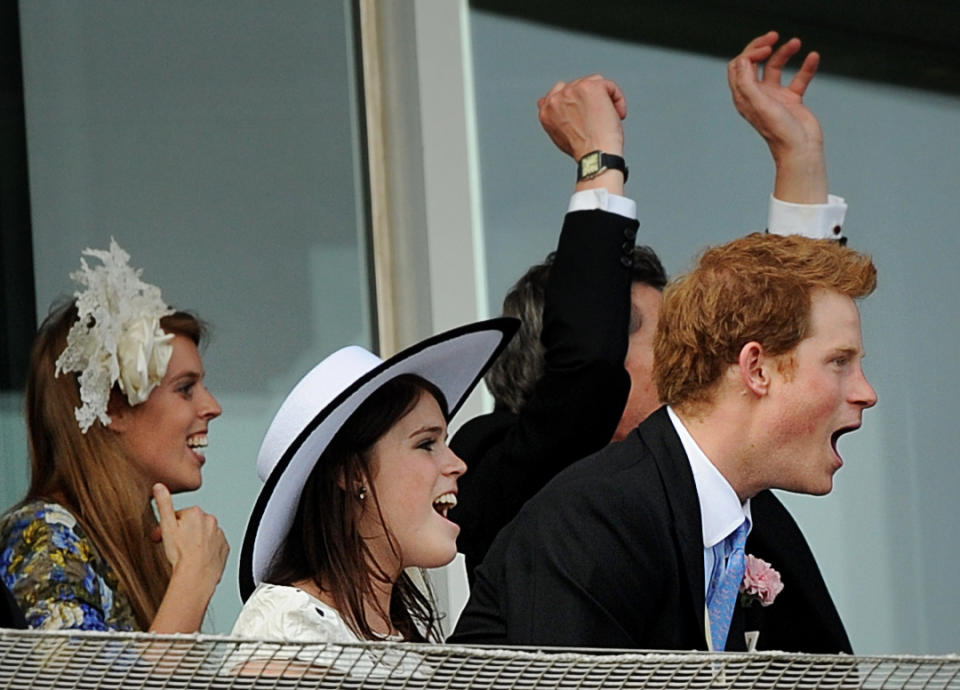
[755, 368]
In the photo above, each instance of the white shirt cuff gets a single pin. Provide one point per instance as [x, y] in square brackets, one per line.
[601, 200]
[819, 221]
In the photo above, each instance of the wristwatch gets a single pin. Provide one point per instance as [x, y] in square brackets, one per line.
[596, 162]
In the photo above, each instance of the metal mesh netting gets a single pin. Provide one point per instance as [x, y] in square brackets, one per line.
[32, 659]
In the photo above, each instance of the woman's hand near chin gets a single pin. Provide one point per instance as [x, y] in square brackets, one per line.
[197, 549]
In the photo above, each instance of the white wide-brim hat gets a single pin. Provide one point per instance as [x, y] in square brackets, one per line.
[325, 398]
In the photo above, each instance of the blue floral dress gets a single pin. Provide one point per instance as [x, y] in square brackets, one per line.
[56, 574]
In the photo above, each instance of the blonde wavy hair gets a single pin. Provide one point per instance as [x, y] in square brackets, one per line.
[756, 288]
[87, 473]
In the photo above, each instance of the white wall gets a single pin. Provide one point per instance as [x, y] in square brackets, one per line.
[886, 537]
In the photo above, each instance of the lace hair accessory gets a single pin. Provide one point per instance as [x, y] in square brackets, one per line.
[117, 336]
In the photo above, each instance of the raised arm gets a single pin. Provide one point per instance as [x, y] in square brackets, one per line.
[587, 300]
[578, 399]
[779, 115]
[584, 116]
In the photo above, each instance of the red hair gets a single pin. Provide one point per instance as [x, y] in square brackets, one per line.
[757, 288]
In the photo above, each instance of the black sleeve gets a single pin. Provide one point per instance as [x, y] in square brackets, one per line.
[578, 402]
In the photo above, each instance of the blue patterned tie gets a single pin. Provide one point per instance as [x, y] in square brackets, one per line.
[726, 588]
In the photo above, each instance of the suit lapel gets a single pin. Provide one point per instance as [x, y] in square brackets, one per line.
[805, 610]
[806, 618]
[661, 438]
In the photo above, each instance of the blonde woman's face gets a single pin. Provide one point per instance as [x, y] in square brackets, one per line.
[165, 438]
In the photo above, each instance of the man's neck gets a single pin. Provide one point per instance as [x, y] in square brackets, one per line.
[724, 434]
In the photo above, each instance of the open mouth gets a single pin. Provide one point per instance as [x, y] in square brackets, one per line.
[198, 443]
[835, 436]
[443, 504]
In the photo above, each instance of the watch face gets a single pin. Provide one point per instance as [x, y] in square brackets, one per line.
[590, 164]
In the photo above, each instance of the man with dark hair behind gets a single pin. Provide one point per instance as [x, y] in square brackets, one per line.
[513, 378]
[579, 372]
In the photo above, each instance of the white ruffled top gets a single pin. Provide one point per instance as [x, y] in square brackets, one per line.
[280, 612]
[280, 615]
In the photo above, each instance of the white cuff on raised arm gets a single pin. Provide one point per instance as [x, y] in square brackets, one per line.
[601, 200]
[819, 221]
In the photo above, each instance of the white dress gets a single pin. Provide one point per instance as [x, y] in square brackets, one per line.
[281, 614]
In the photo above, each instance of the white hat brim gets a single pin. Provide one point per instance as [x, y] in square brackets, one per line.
[453, 361]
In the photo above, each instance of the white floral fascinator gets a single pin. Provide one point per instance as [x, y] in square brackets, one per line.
[117, 336]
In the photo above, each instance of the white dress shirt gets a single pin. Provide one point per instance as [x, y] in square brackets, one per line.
[720, 509]
[810, 220]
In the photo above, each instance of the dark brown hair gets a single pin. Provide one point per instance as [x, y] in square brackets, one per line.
[513, 377]
[324, 544]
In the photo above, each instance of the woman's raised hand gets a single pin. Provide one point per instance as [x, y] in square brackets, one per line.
[197, 549]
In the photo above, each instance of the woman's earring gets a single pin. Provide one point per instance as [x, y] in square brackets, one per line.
[362, 493]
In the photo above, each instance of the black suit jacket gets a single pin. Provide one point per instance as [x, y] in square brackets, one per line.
[578, 401]
[610, 554]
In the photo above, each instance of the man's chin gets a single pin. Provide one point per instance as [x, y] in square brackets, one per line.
[821, 488]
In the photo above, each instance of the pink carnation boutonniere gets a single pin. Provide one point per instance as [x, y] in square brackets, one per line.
[761, 583]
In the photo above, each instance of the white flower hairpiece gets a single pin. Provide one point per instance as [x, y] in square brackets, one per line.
[117, 335]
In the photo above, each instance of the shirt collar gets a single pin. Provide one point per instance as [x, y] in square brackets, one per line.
[720, 509]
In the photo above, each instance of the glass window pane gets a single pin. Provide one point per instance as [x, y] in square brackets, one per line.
[219, 143]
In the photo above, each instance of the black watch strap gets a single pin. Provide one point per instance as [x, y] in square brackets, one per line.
[596, 162]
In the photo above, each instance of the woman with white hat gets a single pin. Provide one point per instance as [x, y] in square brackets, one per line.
[358, 480]
[117, 413]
